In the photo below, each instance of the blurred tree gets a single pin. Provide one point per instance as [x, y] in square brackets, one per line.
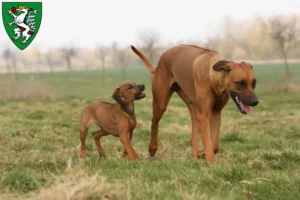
[49, 60]
[256, 41]
[285, 31]
[39, 61]
[226, 39]
[230, 35]
[120, 58]
[32, 59]
[24, 61]
[68, 54]
[149, 40]
[11, 60]
[114, 46]
[103, 52]
[6, 55]
[213, 43]
[88, 57]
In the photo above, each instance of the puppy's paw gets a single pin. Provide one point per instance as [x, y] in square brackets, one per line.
[201, 155]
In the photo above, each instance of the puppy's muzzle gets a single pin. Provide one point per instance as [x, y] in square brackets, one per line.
[142, 87]
[140, 95]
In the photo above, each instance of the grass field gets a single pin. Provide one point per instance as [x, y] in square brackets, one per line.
[259, 155]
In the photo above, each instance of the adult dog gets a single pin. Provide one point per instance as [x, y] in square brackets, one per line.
[204, 81]
[116, 119]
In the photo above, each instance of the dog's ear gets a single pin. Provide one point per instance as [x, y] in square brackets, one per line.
[222, 65]
[248, 64]
[116, 96]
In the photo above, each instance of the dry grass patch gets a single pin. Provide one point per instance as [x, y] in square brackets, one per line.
[175, 128]
[25, 90]
[77, 185]
[284, 88]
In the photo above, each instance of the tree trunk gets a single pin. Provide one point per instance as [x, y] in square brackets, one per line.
[50, 65]
[288, 75]
[14, 65]
[69, 63]
[51, 68]
[123, 73]
[7, 66]
[38, 70]
[87, 65]
[103, 69]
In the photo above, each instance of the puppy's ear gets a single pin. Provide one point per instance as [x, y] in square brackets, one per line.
[116, 96]
[222, 65]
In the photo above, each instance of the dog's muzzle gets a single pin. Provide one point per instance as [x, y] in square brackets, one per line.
[244, 104]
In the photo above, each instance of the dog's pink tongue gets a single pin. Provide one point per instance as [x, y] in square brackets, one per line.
[246, 108]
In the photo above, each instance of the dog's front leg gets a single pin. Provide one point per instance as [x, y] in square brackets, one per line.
[97, 136]
[127, 144]
[124, 151]
[205, 102]
[215, 123]
[204, 128]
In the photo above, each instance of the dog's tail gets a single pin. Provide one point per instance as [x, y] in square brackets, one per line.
[148, 64]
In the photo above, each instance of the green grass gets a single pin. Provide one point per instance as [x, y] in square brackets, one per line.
[259, 154]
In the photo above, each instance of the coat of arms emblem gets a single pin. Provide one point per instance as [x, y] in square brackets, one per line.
[22, 21]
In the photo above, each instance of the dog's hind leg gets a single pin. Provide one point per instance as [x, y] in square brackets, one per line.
[85, 122]
[97, 136]
[83, 134]
[162, 92]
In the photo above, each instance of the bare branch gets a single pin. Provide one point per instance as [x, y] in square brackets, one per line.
[149, 40]
[284, 31]
[68, 54]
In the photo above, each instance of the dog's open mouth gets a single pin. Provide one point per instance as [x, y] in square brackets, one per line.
[139, 96]
[243, 108]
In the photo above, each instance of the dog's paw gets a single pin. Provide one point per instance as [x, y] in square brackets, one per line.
[83, 153]
[152, 151]
[102, 155]
[124, 154]
[201, 155]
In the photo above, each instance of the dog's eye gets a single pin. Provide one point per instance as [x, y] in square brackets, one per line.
[240, 84]
[130, 87]
[254, 83]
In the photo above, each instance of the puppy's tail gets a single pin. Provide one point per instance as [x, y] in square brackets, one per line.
[149, 66]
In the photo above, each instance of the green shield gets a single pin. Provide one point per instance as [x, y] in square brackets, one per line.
[22, 21]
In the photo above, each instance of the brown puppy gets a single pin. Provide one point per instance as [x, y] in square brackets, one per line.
[204, 81]
[116, 119]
